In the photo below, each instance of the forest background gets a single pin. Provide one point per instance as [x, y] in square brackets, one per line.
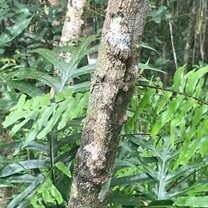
[44, 88]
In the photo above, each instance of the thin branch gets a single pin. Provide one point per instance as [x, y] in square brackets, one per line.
[172, 43]
[183, 179]
[172, 18]
[176, 92]
[137, 134]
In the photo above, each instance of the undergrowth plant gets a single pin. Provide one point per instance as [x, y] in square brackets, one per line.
[162, 160]
[163, 153]
[50, 128]
[46, 127]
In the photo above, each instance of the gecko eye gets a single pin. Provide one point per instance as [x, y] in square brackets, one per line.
[112, 15]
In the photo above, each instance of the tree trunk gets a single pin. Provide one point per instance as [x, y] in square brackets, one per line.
[206, 37]
[190, 36]
[54, 2]
[74, 21]
[203, 31]
[112, 86]
[78, 23]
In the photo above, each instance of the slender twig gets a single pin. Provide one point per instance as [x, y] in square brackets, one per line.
[137, 134]
[51, 143]
[172, 18]
[183, 179]
[172, 43]
[176, 92]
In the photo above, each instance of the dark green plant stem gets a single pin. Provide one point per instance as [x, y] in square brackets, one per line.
[51, 149]
[137, 134]
[175, 92]
[183, 179]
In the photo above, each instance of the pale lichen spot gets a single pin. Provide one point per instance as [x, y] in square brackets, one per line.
[93, 150]
[74, 191]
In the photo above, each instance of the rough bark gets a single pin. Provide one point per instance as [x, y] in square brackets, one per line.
[74, 25]
[3, 197]
[54, 2]
[5, 194]
[112, 87]
[78, 23]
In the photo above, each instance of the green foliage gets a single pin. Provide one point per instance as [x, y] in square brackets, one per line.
[22, 199]
[4, 9]
[200, 201]
[164, 153]
[45, 113]
[162, 160]
[46, 195]
[34, 176]
[142, 67]
[11, 73]
[46, 127]
[158, 14]
[62, 167]
[175, 110]
[14, 168]
[70, 70]
[39, 32]
[37, 192]
[21, 22]
[21, 18]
